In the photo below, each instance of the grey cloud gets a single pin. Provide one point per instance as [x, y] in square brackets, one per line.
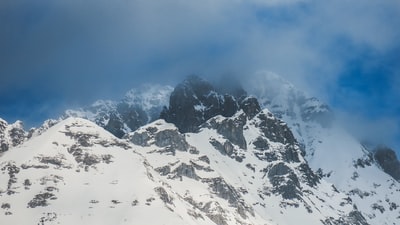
[82, 50]
[121, 37]
[376, 131]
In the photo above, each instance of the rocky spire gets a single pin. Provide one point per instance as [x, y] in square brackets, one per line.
[195, 100]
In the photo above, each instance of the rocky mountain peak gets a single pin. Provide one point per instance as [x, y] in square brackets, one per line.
[194, 85]
[264, 163]
[244, 164]
[138, 107]
[3, 125]
[11, 134]
[250, 106]
[388, 161]
[195, 100]
[287, 102]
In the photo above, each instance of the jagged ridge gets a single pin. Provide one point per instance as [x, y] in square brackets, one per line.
[223, 161]
[138, 107]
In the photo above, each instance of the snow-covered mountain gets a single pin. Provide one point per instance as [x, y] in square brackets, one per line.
[76, 172]
[12, 135]
[139, 107]
[331, 151]
[213, 157]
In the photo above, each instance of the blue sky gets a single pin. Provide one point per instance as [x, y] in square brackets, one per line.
[60, 54]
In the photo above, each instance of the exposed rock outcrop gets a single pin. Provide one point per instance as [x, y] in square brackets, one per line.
[194, 101]
[388, 161]
[138, 107]
[11, 135]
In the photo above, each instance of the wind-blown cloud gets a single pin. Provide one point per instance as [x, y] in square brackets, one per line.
[102, 38]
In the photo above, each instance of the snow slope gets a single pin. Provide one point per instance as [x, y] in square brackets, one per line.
[270, 182]
[78, 173]
[330, 150]
[288, 164]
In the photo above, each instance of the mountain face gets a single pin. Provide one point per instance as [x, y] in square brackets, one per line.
[195, 100]
[258, 173]
[214, 157]
[11, 135]
[138, 107]
[387, 159]
[75, 172]
[78, 173]
[333, 153]
[303, 114]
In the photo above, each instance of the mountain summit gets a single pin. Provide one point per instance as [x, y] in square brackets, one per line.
[209, 156]
[139, 107]
[195, 100]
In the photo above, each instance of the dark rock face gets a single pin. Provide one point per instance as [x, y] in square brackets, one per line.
[195, 100]
[185, 170]
[387, 159]
[220, 147]
[133, 116]
[41, 200]
[231, 129]
[17, 135]
[11, 135]
[250, 106]
[354, 218]
[12, 170]
[309, 176]
[279, 169]
[277, 131]
[164, 196]
[143, 138]
[205, 159]
[172, 139]
[127, 115]
[227, 149]
[4, 145]
[223, 190]
[285, 171]
[284, 181]
[3, 125]
[115, 126]
[261, 144]
[366, 160]
[164, 171]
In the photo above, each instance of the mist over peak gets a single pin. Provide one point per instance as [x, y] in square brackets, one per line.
[262, 165]
[63, 54]
[268, 132]
[230, 84]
